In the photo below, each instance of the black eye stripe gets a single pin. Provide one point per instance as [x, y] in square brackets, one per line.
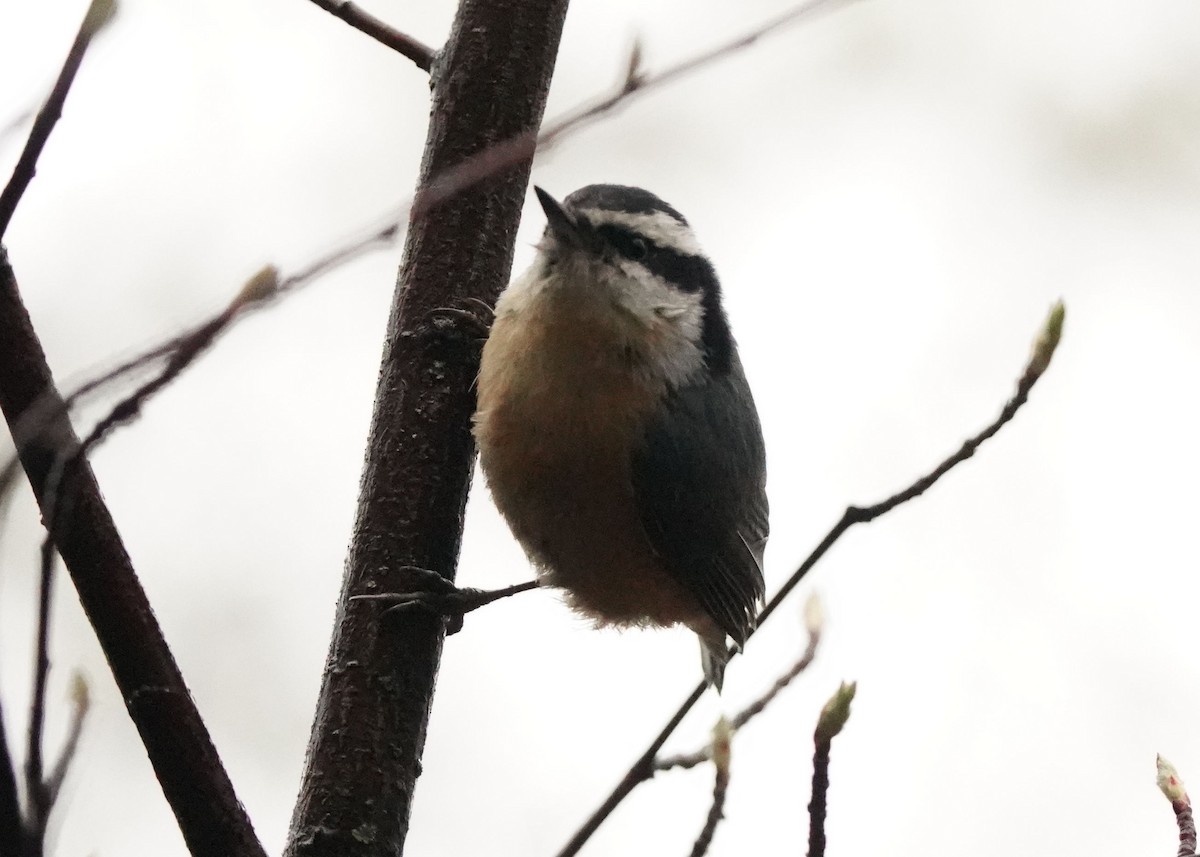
[690, 273]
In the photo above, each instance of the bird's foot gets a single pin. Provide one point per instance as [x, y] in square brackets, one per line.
[474, 319]
[442, 598]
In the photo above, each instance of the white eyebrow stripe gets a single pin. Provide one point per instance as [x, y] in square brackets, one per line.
[657, 226]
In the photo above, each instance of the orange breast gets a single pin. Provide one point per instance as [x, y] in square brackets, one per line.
[559, 410]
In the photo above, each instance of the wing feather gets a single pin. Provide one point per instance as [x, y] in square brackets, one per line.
[700, 482]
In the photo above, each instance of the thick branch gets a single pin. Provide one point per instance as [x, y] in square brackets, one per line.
[363, 21]
[184, 759]
[369, 731]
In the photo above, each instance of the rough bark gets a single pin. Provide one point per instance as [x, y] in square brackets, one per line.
[490, 84]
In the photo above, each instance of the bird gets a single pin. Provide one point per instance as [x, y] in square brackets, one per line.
[616, 429]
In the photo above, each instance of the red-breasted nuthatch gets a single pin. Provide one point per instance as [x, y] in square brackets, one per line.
[616, 428]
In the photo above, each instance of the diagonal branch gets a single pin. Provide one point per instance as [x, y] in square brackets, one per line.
[635, 81]
[448, 182]
[644, 768]
[99, 13]
[720, 751]
[422, 55]
[758, 706]
[177, 743]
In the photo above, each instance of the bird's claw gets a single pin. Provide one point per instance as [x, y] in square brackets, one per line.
[441, 597]
[474, 321]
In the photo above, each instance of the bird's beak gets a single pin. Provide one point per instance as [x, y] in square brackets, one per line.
[564, 224]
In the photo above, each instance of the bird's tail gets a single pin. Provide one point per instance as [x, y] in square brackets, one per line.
[713, 658]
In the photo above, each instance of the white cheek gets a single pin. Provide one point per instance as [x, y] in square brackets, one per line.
[672, 320]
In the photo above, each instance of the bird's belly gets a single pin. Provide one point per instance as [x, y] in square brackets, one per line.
[555, 447]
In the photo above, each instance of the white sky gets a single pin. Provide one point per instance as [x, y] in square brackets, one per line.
[893, 195]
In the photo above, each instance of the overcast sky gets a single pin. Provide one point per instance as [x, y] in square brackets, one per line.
[893, 195]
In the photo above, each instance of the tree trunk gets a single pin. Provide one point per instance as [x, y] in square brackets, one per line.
[490, 84]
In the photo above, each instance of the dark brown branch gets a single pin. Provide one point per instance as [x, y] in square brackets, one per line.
[371, 719]
[363, 21]
[180, 750]
[12, 829]
[721, 752]
[832, 720]
[34, 783]
[1172, 787]
[643, 769]
[99, 13]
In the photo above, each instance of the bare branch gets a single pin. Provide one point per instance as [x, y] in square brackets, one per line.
[691, 760]
[643, 769]
[486, 163]
[177, 744]
[99, 13]
[495, 158]
[363, 21]
[34, 784]
[832, 720]
[721, 752]
[1172, 786]
[12, 829]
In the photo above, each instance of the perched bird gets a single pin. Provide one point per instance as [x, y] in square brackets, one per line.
[615, 426]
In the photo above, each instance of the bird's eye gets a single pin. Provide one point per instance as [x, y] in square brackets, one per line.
[637, 249]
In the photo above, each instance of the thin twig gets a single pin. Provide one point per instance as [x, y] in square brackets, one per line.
[496, 158]
[721, 752]
[422, 55]
[34, 784]
[12, 829]
[99, 13]
[699, 757]
[488, 162]
[182, 350]
[1172, 786]
[185, 761]
[833, 718]
[643, 769]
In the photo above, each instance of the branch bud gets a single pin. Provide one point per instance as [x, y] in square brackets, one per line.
[722, 748]
[814, 615]
[1047, 341]
[1169, 782]
[835, 713]
[99, 15]
[261, 286]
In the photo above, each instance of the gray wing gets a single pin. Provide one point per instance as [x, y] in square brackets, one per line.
[699, 478]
